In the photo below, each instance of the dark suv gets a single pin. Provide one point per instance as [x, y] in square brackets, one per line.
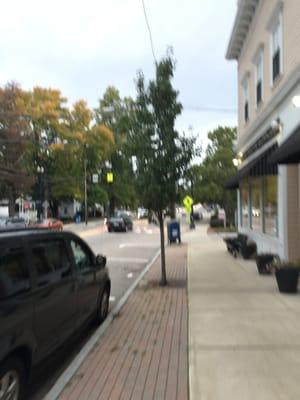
[51, 284]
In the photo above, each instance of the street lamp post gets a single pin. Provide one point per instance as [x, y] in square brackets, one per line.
[85, 193]
[40, 171]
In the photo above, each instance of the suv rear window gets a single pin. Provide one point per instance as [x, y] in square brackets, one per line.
[14, 275]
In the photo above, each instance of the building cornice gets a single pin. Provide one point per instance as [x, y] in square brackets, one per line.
[243, 19]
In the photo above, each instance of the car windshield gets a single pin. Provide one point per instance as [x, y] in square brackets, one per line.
[116, 219]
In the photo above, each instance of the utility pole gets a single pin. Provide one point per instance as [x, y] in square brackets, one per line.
[85, 193]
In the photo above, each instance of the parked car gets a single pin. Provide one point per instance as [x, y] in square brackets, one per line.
[12, 223]
[50, 223]
[116, 224]
[51, 285]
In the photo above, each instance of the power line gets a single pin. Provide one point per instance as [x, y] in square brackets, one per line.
[149, 30]
[210, 109]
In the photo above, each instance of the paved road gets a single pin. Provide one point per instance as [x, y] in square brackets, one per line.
[128, 254]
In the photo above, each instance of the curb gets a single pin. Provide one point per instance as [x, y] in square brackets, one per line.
[67, 375]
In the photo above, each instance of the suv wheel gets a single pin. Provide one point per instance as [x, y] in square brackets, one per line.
[12, 379]
[103, 306]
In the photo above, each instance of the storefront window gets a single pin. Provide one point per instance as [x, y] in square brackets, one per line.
[270, 205]
[244, 197]
[256, 204]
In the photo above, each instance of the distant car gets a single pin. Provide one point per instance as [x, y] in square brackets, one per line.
[123, 212]
[12, 223]
[142, 213]
[50, 223]
[116, 224]
[197, 216]
[127, 219]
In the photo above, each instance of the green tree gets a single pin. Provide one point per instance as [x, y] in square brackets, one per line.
[162, 155]
[208, 178]
[116, 113]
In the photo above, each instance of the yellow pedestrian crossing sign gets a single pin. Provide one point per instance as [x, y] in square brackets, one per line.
[188, 202]
[110, 177]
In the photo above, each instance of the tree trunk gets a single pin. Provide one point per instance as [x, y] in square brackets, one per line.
[173, 210]
[112, 205]
[11, 201]
[162, 248]
[46, 196]
[54, 208]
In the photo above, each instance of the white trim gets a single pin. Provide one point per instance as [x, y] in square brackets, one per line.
[275, 23]
[259, 57]
[281, 42]
[282, 210]
[274, 16]
[242, 22]
[246, 186]
[246, 96]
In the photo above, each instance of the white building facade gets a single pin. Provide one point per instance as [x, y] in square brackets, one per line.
[265, 42]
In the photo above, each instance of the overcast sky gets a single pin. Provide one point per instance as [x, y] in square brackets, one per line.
[81, 47]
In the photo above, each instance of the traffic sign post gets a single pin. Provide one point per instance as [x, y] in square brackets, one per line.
[188, 202]
[95, 178]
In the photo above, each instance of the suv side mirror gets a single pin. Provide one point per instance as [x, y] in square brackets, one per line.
[100, 260]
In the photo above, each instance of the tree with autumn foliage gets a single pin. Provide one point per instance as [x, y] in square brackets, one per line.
[43, 145]
[83, 140]
[14, 141]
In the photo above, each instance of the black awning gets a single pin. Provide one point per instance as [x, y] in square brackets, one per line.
[289, 151]
[260, 166]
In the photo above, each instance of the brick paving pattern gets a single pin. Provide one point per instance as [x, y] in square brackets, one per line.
[143, 354]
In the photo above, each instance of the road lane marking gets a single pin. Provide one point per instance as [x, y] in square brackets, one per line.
[127, 260]
[112, 299]
[143, 245]
[130, 275]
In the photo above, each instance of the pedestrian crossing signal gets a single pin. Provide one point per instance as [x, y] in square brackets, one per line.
[110, 177]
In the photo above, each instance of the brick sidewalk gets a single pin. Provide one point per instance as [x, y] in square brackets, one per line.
[143, 354]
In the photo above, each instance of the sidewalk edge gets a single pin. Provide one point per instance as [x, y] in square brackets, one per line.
[67, 375]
